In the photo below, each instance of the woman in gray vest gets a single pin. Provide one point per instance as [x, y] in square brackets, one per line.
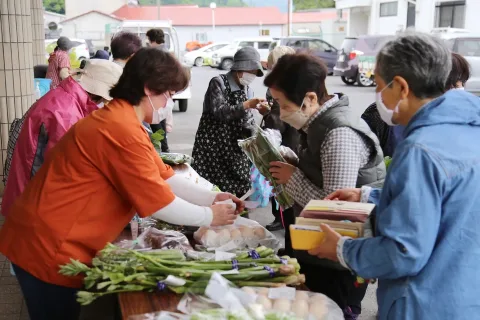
[337, 148]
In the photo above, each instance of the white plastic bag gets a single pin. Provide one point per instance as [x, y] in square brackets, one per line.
[242, 234]
[215, 298]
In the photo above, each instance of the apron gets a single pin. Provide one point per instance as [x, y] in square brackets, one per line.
[217, 156]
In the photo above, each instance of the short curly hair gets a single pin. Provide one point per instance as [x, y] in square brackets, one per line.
[156, 35]
[124, 44]
[153, 69]
[297, 74]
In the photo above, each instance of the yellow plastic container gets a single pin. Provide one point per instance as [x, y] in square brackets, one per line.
[308, 237]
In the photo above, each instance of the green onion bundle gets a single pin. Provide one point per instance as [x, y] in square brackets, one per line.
[261, 152]
[117, 270]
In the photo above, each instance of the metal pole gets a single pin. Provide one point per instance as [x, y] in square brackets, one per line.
[290, 9]
[158, 9]
[213, 22]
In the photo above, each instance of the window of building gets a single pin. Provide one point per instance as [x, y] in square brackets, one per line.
[263, 45]
[389, 9]
[201, 37]
[450, 14]
[411, 15]
[264, 32]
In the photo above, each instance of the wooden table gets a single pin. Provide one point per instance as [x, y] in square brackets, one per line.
[135, 303]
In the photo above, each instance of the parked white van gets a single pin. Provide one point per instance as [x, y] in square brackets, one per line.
[223, 58]
[171, 43]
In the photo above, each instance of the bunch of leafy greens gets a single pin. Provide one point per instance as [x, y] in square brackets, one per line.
[157, 138]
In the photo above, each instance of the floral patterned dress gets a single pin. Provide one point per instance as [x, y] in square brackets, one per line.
[216, 154]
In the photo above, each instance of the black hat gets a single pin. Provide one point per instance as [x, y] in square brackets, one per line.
[247, 59]
[64, 43]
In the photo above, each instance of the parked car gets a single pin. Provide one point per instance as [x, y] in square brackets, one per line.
[317, 46]
[468, 45]
[200, 56]
[356, 59]
[78, 52]
[223, 58]
[140, 28]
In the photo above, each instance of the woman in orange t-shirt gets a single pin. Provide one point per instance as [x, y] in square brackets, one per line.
[102, 172]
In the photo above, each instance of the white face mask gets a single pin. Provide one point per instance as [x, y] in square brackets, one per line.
[385, 113]
[247, 78]
[296, 119]
[160, 114]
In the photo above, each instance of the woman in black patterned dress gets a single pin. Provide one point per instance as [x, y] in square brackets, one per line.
[227, 117]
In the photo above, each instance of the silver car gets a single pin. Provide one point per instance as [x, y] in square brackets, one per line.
[468, 45]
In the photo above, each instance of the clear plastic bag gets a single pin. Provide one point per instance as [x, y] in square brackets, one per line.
[152, 239]
[289, 156]
[215, 298]
[263, 148]
[218, 298]
[289, 303]
[163, 315]
[242, 234]
[175, 158]
[146, 223]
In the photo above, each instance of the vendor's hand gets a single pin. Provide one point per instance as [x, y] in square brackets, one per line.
[328, 248]
[252, 103]
[350, 195]
[281, 171]
[222, 214]
[222, 196]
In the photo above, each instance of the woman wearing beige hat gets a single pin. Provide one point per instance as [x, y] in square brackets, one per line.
[48, 120]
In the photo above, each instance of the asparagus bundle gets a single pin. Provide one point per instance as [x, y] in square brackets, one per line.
[261, 152]
[117, 270]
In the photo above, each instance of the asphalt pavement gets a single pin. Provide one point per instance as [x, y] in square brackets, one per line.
[186, 123]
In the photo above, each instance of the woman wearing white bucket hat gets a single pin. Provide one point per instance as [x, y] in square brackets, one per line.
[48, 120]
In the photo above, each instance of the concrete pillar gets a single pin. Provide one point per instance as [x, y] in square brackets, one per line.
[38, 34]
[16, 67]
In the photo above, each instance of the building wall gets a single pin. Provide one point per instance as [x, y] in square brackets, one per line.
[358, 23]
[389, 25]
[471, 15]
[74, 8]
[332, 31]
[38, 34]
[16, 65]
[90, 26]
[222, 33]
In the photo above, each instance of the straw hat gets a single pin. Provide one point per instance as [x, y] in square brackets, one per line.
[99, 76]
